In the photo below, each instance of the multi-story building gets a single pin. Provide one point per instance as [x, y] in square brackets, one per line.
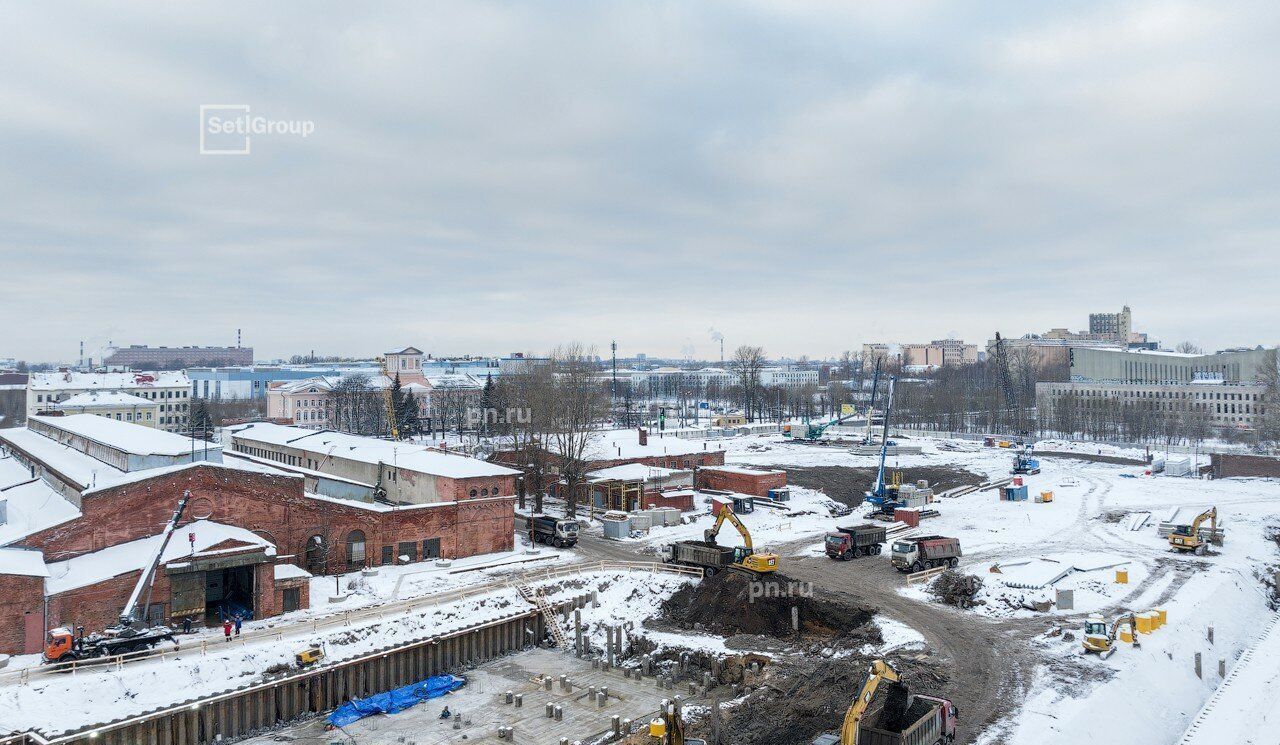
[13, 399]
[1114, 326]
[1222, 385]
[936, 353]
[309, 403]
[170, 390]
[123, 407]
[139, 355]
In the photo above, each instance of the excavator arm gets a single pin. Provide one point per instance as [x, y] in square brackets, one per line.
[880, 672]
[726, 513]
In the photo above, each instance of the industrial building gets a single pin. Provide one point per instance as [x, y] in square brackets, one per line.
[1230, 366]
[141, 355]
[83, 500]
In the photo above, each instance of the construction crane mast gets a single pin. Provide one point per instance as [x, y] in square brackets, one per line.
[1009, 391]
[388, 400]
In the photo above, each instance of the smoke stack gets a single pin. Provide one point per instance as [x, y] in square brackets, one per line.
[644, 437]
[237, 338]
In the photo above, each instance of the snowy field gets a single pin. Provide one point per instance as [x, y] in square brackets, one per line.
[1140, 696]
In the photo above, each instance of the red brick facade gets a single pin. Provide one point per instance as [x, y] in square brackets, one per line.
[744, 482]
[680, 499]
[21, 596]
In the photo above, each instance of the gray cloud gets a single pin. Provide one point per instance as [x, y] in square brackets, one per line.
[492, 177]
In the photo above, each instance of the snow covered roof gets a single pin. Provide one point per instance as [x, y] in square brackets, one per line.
[135, 476]
[407, 350]
[370, 450]
[22, 561]
[127, 436]
[74, 466]
[291, 571]
[108, 381]
[98, 566]
[32, 505]
[743, 469]
[103, 400]
[625, 443]
[632, 472]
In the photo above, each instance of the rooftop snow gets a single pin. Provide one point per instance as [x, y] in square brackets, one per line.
[625, 443]
[32, 504]
[108, 381]
[633, 472]
[22, 561]
[290, 571]
[103, 399]
[743, 469]
[131, 438]
[81, 469]
[371, 450]
[98, 566]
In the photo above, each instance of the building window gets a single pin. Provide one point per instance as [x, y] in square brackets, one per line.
[388, 555]
[355, 549]
[317, 554]
[291, 600]
[407, 551]
[473, 492]
[431, 548]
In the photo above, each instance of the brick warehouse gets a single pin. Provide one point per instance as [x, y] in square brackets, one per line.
[323, 535]
[741, 479]
[77, 550]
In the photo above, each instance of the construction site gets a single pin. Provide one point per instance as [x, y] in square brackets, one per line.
[971, 592]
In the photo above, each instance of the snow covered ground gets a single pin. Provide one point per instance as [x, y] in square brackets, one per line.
[1146, 695]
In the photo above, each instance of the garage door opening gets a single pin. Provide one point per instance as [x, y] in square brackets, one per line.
[228, 593]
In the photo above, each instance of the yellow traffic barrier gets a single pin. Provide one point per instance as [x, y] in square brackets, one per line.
[1125, 634]
[1144, 623]
[1122, 576]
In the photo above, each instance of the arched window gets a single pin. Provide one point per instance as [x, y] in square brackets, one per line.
[355, 549]
[317, 554]
[473, 492]
[484, 492]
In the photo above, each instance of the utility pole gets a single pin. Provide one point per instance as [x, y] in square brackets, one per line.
[613, 386]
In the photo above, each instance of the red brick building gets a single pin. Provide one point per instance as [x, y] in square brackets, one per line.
[740, 479]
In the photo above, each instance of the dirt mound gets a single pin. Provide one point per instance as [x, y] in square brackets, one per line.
[735, 603]
[809, 698]
[848, 485]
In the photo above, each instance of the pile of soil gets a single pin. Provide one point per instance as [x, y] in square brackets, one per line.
[809, 698]
[734, 603]
[848, 485]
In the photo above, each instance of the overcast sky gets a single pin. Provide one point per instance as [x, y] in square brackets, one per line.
[489, 178]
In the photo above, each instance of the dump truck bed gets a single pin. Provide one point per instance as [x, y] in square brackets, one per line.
[701, 553]
[865, 534]
[920, 723]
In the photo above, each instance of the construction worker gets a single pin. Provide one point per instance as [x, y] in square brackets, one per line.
[186, 624]
[445, 714]
[226, 628]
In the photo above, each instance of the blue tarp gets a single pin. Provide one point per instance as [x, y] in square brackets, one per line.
[395, 700]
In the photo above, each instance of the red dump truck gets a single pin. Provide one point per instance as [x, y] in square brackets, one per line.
[925, 552]
[860, 540]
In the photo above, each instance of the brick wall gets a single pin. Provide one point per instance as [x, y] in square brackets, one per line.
[276, 508]
[1228, 465]
[19, 595]
[756, 482]
[680, 500]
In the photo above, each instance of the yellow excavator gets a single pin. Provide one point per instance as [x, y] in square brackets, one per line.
[935, 724]
[745, 556]
[1100, 638]
[881, 671]
[1187, 537]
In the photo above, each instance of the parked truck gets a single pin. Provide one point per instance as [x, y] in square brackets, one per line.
[708, 556]
[925, 552]
[860, 540]
[558, 532]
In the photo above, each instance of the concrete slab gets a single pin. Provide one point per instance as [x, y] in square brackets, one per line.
[483, 702]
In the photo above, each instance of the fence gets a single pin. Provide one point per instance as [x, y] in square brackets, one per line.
[925, 575]
[262, 706]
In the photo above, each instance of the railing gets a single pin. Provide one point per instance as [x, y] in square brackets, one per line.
[345, 618]
[925, 575]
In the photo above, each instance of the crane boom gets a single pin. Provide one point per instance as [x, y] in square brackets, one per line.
[884, 440]
[879, 673]
[129, 614]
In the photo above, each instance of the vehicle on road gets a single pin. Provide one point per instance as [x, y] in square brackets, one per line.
[557, 532]
[712, 558]
[860, 540]
[925, 552]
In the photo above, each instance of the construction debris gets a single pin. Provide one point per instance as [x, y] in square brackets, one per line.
[956, 588]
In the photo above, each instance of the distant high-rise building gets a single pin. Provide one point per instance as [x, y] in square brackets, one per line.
[1116, 326]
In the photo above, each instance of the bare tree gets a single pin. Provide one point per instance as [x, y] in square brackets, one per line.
[1267, 430]
[1187, 347]
[575, 411]
[746, 364]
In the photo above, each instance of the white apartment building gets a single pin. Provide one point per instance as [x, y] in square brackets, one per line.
[170, 391]
[123, 407]
[1229, 405]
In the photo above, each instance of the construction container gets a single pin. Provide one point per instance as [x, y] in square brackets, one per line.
[782, 494]
[1014, 493]
[1122, 576]
[1164, 616]
[617, 528]
[1017, 481]
[1144, 623]
[1045, 497]
[907, 515]
[743, 504]
[1125, 634]
[657, 728]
